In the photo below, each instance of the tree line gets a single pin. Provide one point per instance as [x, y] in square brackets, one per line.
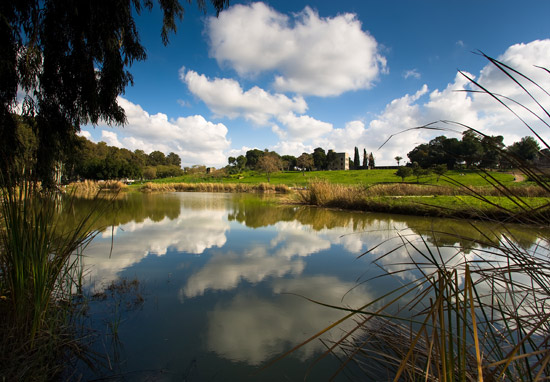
[473, 150]
[271, 161]
[96, 161]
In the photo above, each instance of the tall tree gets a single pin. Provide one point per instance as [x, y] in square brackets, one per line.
[356, 159]
[471, 148]
[173, 159]
[156, 158]
[71, 58]
[252, 157]
[269, 164]
[398, 159]
[319, 158]
[241, 162]
[365, 159]
[526, 149]
[290, 161]
[305, 162]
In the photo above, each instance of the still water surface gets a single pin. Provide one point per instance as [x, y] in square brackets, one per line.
[219, 280]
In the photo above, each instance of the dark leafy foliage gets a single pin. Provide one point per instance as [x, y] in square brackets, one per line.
[71, 59]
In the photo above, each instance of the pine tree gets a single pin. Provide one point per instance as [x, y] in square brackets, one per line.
[356, 159]
[365, 162]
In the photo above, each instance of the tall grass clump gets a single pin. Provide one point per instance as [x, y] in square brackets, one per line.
[214, 187]
[39, 272]
[325, 194]
[461, 313]
[92, 186]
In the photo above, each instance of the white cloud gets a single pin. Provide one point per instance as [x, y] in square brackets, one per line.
[193, 232]
[411, 73]
[292, 147]
[85, 134]
[225, 97]
[193, 138]
[110, 138]
[266, 327]
[226, 271]
[309, 54]
[304, 127]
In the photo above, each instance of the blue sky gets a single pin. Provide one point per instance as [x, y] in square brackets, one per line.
[291, 76]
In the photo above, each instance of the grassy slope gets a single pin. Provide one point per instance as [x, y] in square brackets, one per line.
[360, 177]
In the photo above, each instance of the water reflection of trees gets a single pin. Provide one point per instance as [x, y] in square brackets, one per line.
[126, 208]
[443, 232]
[256, 213]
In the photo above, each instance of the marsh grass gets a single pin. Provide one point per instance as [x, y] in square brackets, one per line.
[39, 275]
[214, 187]
[430, 200]
[92, 187]
[474, 313]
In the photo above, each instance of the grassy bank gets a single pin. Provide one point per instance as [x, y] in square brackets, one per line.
[364, 190]
[355, 177]
[429, 200]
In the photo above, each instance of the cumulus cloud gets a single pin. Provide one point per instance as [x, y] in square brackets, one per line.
[304, 127]
[110, 138]
[193, 138]
[309, 54]
[225, 97]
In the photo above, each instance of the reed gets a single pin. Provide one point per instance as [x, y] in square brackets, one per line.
[464, 313]
[39, 268]
[214, 187]
[92, 186]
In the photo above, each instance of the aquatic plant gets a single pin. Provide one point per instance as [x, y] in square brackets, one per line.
[40, 270]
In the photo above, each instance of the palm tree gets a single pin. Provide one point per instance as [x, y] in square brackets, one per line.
[398, 159]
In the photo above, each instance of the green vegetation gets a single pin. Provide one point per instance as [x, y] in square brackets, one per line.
[360, 177]
[71, 61]
[39, 274]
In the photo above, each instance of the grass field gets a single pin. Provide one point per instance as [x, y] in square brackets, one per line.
[356, 177]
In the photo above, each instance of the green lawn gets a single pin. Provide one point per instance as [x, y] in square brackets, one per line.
[365, 177]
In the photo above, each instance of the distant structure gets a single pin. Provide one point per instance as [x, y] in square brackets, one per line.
[340, 162]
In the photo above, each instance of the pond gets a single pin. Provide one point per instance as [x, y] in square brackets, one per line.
[212, 286]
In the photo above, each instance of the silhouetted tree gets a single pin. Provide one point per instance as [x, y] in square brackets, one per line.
[319, 158]
[71, 58]
[526, 149]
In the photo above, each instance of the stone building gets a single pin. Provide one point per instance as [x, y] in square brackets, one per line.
[340, 162]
